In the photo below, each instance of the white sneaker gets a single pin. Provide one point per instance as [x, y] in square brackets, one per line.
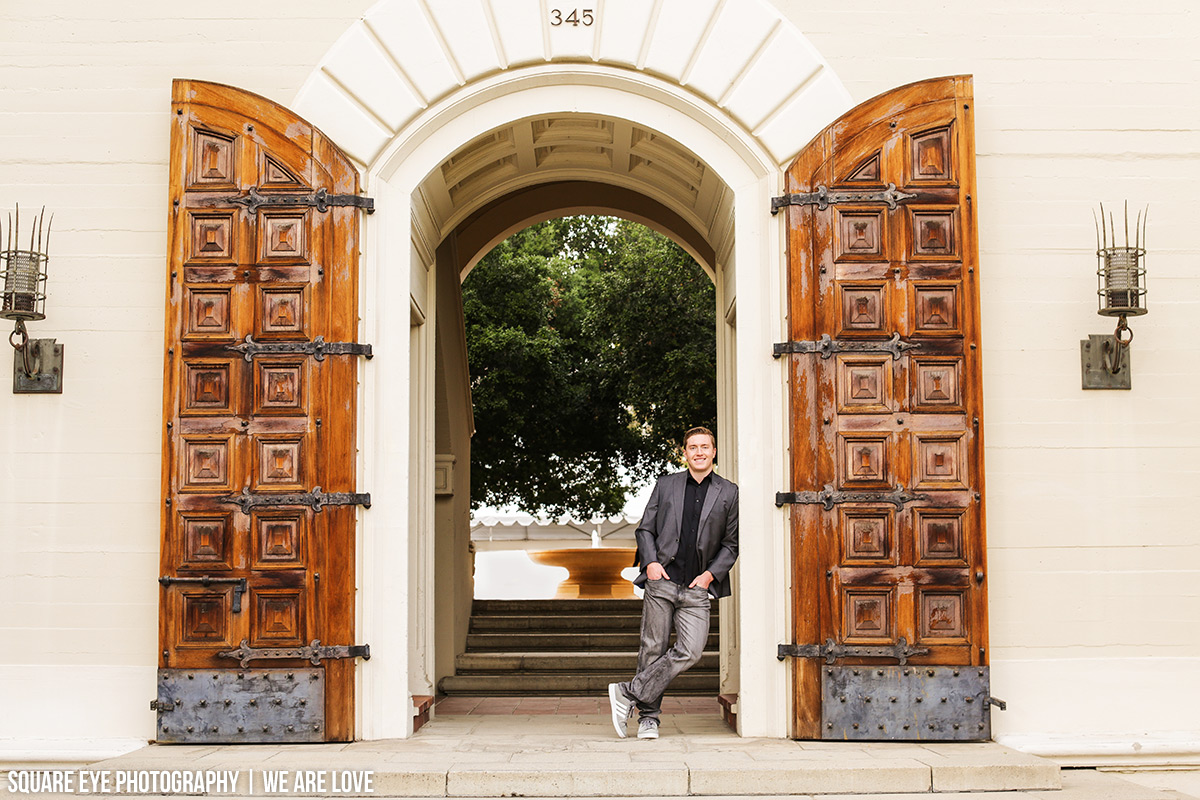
[621, 708]
[647, 728]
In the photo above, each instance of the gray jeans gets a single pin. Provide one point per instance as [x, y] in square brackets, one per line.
[664, 605]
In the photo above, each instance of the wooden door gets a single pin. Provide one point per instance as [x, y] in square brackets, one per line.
[886, 423]
[259, 514]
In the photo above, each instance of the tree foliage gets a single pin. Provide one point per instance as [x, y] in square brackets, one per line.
[592, 348]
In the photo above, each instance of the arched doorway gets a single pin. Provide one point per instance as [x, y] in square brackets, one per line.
[536, 169]
[735, 85]
[410, 470]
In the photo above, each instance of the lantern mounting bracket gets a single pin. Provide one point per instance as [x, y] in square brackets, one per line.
[1098, 354]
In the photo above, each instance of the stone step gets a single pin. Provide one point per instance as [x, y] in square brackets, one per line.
[694, 681]
[488, 623]
[473, 663]
[570, 607]
[579, 642]
[558, 757]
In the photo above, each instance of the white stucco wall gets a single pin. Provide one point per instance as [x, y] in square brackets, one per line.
[1094, 554]
[1095, 618]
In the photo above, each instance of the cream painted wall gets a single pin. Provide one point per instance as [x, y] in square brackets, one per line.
[84, 93]
[1095, 615]
[1094, 552]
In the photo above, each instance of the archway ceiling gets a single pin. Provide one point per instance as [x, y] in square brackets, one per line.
[576, 147]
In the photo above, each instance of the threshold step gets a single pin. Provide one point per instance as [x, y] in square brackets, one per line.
[577, 607]
[563, 641]
[567, 684]
[549, 623]
[468, 663]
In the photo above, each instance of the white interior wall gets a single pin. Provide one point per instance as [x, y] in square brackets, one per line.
[1093, 607]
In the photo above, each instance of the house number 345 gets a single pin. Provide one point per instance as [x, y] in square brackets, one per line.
[576, 17]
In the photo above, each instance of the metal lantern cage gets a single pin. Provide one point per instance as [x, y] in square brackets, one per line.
[24, 274]
[1121, 271]
[24, 271]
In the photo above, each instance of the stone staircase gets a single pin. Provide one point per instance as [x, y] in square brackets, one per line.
[561, 647]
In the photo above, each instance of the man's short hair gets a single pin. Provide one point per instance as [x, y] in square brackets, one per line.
[696, 432]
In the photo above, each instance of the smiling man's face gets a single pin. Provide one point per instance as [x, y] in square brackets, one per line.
[699, 451]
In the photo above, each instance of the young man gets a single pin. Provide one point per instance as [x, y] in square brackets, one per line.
[687, 542]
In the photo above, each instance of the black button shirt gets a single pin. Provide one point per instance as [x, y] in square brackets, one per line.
[686, 566]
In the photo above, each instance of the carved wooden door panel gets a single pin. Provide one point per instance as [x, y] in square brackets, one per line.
[887, 451]
[257, 552]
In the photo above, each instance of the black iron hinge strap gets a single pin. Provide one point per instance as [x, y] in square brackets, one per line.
[831, 651]
[314, 652]
[318, 348]
[321, 200]
[826, 347]
[827, 497]
[316, 499]
[823, 198]
[239, 586]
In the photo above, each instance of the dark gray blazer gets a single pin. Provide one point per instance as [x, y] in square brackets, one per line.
[716, 537]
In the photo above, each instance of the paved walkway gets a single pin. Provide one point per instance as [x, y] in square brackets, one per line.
[537, 755]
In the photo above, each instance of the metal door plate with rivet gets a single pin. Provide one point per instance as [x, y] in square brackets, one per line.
[207, 706]
[1096, 374]
[910, 703]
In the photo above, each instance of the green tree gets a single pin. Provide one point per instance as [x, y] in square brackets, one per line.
[591, 347]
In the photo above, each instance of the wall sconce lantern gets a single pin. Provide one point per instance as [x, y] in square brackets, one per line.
[1121, 293]
[37, 363]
